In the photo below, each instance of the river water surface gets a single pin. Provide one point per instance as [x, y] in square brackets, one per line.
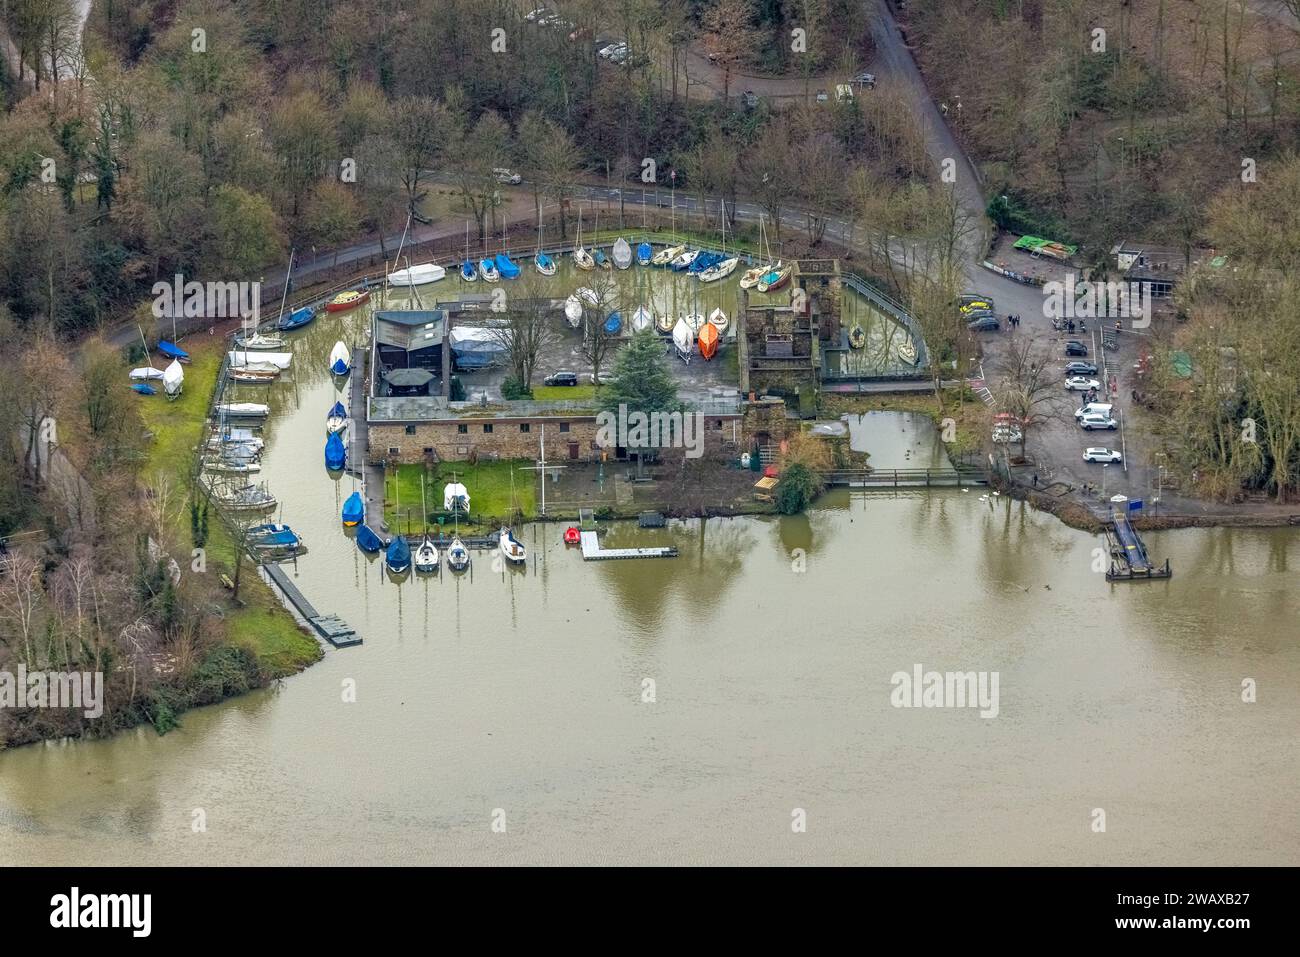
[771, 645]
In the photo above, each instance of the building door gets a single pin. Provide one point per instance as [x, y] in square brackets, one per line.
[573, 451]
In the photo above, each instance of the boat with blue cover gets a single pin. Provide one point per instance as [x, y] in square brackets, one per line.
[506, 268]
[336, 453]
[354, 510]
[398, 556]
[644, 253]
[296, 319]
[143, 388]
[368, 541]
[613, 324]
[173, 351]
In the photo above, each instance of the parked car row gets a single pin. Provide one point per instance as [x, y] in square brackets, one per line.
[977, 310]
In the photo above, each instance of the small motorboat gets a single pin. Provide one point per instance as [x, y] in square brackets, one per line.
[613, 324]
[644, 253]
[582, 259]
[683, 339]
[257, 340]
[664, 322]
[173, 351]
[143, 388]
[420, 275]
[232, 465]
[336, 453]
[907, 351]
[641, 319]
[621, 253]
[457, 555]
[468, 272]
[243, 410]
[354, 510]
[368, 541]
[487, 270]
[720, 270]
[857, 337]
[347, 300]
[273, 539]
[259, 361]
[296, 319]
[337, 418]
[601, 259]
[146, 373]
[750, 278]
[248, 498]
[708, 340]
[506, 269]
[774, 279]
[572, 535]
[340, 359]
[254, 376]
[718, 318]
[683, 261]
[426, 556]
[544, 264]
[511, 548]
[666, 255]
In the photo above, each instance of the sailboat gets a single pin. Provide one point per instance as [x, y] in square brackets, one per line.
[581, 258]
[420, 275]
[506, 268]
[337, 418]
[667, 255]
[467, 270]
[487, 270]
[426, 555]
[641, 319]
[543, 263]
[368, 541]
[708, 340]
[718, 318]
[573, 311]
[598, 254]
[398, 556]
[260, 361]
[622, 253]
[644, 253]
[724, 265]
[907, 351]
[457, 553]
[751, 276]
[173, 379]
[664, 322]
[354, 510]
[511, 548]
[336, 454]
[683, 339]
[684, 260]
[775, 278]
[257, 340]
[340, 359]
[347, 300]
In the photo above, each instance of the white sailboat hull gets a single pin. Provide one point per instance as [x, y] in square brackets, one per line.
[420, 275]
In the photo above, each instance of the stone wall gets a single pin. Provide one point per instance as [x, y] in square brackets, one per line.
[567, 439]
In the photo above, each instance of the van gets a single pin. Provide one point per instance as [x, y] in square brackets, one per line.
[1093, 408]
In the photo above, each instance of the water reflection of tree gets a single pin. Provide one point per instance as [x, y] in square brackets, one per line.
[650, 591]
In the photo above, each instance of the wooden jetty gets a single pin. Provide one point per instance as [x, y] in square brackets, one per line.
[330, 627]
[592, 551]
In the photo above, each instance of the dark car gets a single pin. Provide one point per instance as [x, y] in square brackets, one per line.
[984, 324]
[974, 314]
[561, 378]
[1080, 368]
[1075, 348]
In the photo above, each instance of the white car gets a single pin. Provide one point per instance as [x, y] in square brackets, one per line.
[1097, 420]
[606, 52]
[507, 176]
[1101, 455]
[1080, 383]
[536, 16]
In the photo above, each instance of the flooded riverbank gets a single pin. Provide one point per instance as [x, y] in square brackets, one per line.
[771, 645]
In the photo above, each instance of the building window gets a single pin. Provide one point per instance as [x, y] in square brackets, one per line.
[487, 429]
[394, 450]
[428, 450]
[525, 427]
[564, 426]
[410, 430]
[462, 429]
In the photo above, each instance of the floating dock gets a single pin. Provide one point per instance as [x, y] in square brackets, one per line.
[1129, 553]
[592, 551]
[330, 627]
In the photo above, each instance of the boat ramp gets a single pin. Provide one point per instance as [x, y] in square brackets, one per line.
[330, 627]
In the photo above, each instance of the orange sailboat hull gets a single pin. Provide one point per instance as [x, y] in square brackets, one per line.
[708, 340]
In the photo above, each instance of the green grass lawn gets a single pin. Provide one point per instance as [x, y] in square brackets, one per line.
[261, 624]
[489, 492]
[569, 393]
